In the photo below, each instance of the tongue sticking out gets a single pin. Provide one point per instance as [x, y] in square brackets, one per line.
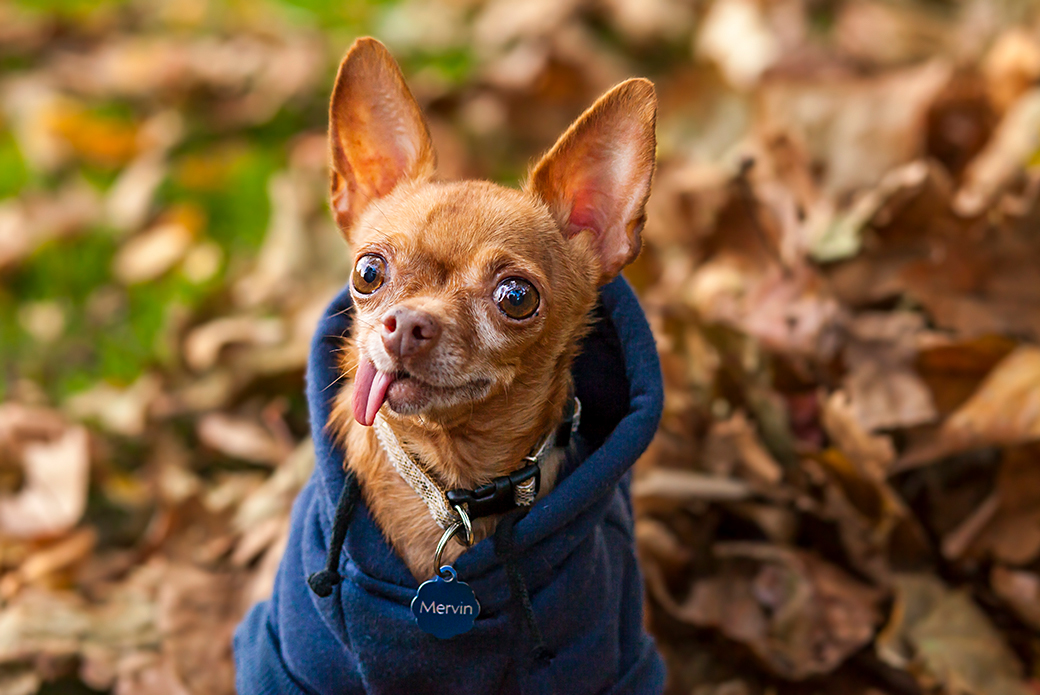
[370, 387]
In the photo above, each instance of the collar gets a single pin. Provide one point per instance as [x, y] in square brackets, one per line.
[502, 494]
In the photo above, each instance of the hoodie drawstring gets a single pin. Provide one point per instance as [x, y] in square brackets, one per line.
[324, 581]
[506, 551]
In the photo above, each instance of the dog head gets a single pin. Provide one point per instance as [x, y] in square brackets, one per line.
[465, 290]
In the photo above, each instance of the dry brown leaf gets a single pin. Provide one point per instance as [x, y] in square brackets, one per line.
[790, 311]
[241, 438]
[884, 390]
[859, 129]
[151, 253]
[683, 487]
[32, 220]
[52, 624]
[31, 103]
[835, 235]
[736, 35]
[41, 563]
[261, 73]
[647, 20]
[889, 34]
[942, 637]
[124, 411]
[1007, 525]
[1021, 590]
[261, 582]
[871, 454]
[1005, 410]
[283, 256]
[501, 23]
[197, 615]
[203, 345]
[274, 498]
[799, 614]
[94, 138]
[732, 447]
[56, 472]
[954, 370]
[1011, 66]
[1014, 142]
[129, 201]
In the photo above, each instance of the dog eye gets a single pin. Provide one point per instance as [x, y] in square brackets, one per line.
[517, 298]
[369, 273]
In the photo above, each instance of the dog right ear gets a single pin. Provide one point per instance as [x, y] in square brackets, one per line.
[596, 178]
[377, 134]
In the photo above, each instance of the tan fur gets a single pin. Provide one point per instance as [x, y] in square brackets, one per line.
[500, 385]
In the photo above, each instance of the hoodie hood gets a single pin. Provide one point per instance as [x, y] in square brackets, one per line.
[574, 549]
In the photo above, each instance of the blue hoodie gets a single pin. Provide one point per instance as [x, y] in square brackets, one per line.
[574, 550]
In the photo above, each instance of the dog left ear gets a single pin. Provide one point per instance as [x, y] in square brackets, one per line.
[597, 176]
[377, 134]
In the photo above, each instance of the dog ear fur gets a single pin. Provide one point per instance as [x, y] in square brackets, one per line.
[597, 176]
[377, 134]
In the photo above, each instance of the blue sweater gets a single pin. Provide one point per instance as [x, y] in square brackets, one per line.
[575, 555]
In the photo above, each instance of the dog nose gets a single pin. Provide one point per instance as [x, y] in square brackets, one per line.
[408, 332]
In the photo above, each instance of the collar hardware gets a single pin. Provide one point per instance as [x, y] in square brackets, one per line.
[501, 495]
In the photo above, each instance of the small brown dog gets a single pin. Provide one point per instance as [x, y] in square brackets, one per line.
[471, 298]
[463, 320]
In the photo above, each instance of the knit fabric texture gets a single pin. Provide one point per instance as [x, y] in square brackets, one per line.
[574, 550]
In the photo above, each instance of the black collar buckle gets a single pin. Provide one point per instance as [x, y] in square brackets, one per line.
[499, 496]
[496, 497]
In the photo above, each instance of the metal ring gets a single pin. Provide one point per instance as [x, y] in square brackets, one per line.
[445, 537]
[466, 523]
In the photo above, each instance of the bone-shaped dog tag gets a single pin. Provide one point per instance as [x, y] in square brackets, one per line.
[444, 606]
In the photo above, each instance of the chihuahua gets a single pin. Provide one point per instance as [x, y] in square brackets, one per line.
[471, 298]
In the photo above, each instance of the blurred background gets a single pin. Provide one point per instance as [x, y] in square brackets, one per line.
[841, 270]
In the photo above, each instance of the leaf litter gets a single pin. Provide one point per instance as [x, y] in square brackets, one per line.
[839, 268]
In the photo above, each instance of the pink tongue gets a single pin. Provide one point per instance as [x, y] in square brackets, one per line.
[370, 388]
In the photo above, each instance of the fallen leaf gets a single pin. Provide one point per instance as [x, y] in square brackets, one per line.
[954, 370]
[687, 486]
[1016, 139]
[1011, 66]
[240, 438]
[29, 222]
[891, 35]
[1021, 590]
[283, 254]
[800, 615]
[1007, 525]
[946, 640]
[151, 253]
[1005, 409]
[197, 615]
[41, 563]
[858, 129]
[124, 411]
[736, 35]
[885, 391]
[732, 446]
[203, 345]
[871, 454]
[53, 496]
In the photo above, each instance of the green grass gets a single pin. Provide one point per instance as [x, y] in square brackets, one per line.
[14, 176]
[117, 350]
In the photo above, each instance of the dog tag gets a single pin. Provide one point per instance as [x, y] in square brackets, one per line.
[445, 607]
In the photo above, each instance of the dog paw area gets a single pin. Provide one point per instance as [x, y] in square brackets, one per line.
[826, 210]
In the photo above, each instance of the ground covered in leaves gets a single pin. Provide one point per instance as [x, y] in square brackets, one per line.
[840, 269]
